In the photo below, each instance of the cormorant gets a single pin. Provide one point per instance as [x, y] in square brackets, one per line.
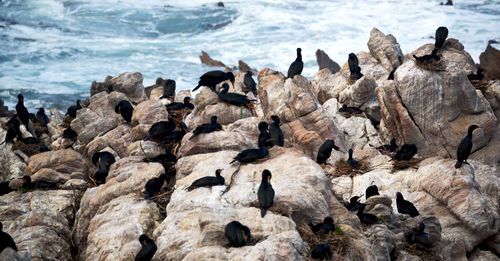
[354, 68]
[176, 136]
[160, 129]
[13, 130]
[207, 127]
[465, 147]
[322, 252]
[37, 184]
[391, 74]
[6, 240]
[365, 218]
[69, 133]
[371, 191]
[148, 249]
[212, 78]
[406, 152]
[354, 204]
[275, 132]
[325, 150]
[392, 147]
[476, 77]
[125, 109]
[420, 237]
[441, 34]
[326, 226]
[249, 84]
[428, 58]
[297, 66]
[251, 155]
[350, 110]
[237, 234]
[166, 160]
[22, 112]
[264, 135]
[72, 109]
[208, 181]
[41, 118]
[168, 88]
[352, 161]
[175, 106]
[233, 98]
[4, 188]
[265, 193]
[405, 206]
[104, 161]
[153, 186]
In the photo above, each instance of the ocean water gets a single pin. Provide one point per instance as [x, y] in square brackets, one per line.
[51, 50]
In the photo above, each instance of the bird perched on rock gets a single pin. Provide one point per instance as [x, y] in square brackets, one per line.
[103, 160]
[322, 252]
[22, 112]
[233, 98]
[5, 188]
[13, 130]
[265, 193]
[297, 66]
[354, 68]
[160, 129]
[366, 218]
[350, 110]
[167, 159]
[406, 152]
[478, 76]
[441, 34]
[212, 78]
[326, 226]
[405, 206]
[275, 132]
[392, 147]
[354, 204]
[6, 240]
[208, 181]
[251, 155]
[371, 191]
[428, 58]
[391, 74]
[148, 249]
[41, 118]
[264, 135]
[237, 234]
[39, 184]
[352, 162]
[168, 88]
[325, 150]
[73, 109]
[465, 147]
[125, 109]
[175, 106]
[176, 136]
[249, 84]
[207, 127]
[69, 133]
[153, 186]
[418, 236]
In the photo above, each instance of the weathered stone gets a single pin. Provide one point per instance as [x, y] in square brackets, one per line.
[385, 49]
[492, 95]
[118, 139]
[483, 256]
[9, 254]
[382, 240]
[130, 84]
[179, 97]
[324, 61]
[97, 87]
[149, 112]
[12, 165]
[148, 149]
[207, 60]
[489, 60]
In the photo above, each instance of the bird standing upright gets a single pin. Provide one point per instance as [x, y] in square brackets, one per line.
[465, 147]
[297, 66]
[265, 193]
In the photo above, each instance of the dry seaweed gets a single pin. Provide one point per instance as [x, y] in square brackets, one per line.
[424, 253]
[404, 164]
[162, 201]
[432, 66]
[480, 84]
[338, 241]
[28, 149]
[342, 168]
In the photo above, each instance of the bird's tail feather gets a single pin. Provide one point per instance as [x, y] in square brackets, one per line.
[263, 212]
[458, 164]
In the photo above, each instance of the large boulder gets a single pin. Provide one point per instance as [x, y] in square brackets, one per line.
[12, 164]
[324, 61]
[385, 48]
[145, 115]
[131, 85]
[492, 95]
[490, 61]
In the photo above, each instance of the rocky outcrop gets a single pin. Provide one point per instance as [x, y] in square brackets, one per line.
[12, 164]
[97, 87]
[489, 61]
[492, 95]
[130, 84]
[145, 115]
[385, 48]
[324, 61]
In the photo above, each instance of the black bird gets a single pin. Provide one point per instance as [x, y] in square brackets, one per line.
[325, 150]
[297, 66]
[166, 160]
[207, 127]
[237, 234]
[4, 188]
[476, 77]
[265, 193]
[13, 130]
[104, 161]
[441, 34]
[354, 68]
[322, 252]
[405, 206]
[275, 132]
[159, 130]
[72, 109]
[125, 109]
[249, 84]
[391, 74]
[175, 106]
[365, 218]
[32, 117]
[22, 112]
[392, 147]
[354, 204]
[154, 185]
[110, 88]
[352, 161]
[69, 133]
[208, 181]
[39, 184]
[465, 147]
[326, 226]
[371, 191]
[168, 88]
[176, 136]
[233, 98]
[6, 240]
[41, 118]
[350, 110]
[428, 58]
[264, 135]
[418, 236]
[251, 155]
[406, 152]
[212, 78]
[148, 249]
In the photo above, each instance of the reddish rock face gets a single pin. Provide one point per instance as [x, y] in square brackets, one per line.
[490, 62]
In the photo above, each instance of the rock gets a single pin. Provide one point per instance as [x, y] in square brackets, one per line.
[489, 60]
[179, 97]
[148, 149]
[385, 49]
[305, 124]
[130, 84]
[117, 139]
[40, 222]
[57, 166]
[244, 67]
[4, 110]
[207, 60]
[382, 241]
[325, 62]
[12, 165]
[492, 95]
[434, 108]
[9, 254]
[97, 87]
[145, 115]
[370, 66]
[482, 255]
